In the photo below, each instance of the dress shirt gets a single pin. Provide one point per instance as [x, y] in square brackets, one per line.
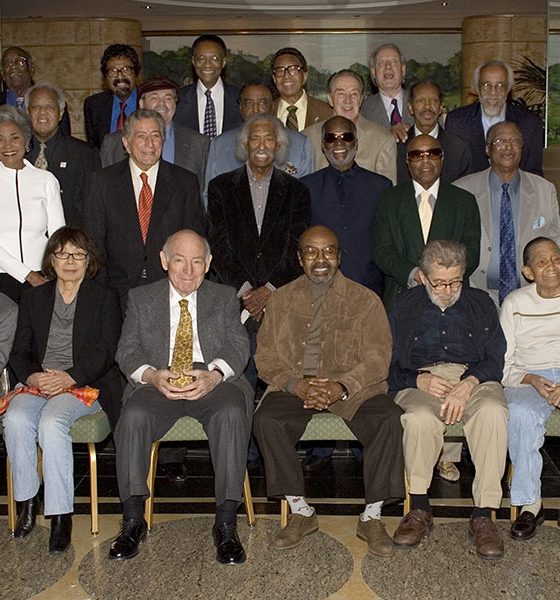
[168, 152]
[130, 107]
[433, 133]
[137, 181]
[217, 98]
[488, 121]
[387, 103]
[301, 113]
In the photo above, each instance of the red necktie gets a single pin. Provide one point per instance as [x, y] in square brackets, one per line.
[145, 205]
[395, 115]
[120, 119]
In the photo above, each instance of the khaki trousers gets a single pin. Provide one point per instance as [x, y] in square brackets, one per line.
[485, 426]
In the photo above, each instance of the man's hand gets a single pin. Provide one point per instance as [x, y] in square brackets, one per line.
[453, 406]
[255, 301]
[34, 278]
[543, 385]
[204, 382]
[318, 393]
[434, 385]
[159, 379]
[400, 131]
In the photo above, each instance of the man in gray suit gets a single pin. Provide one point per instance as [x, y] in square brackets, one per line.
[388, 69]
[182, 146]
[161, 318]
[509, 199]
[8, 321]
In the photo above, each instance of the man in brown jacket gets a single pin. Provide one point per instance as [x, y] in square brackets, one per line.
[325, 344]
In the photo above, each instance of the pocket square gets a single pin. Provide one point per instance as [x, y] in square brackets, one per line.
[539, 222]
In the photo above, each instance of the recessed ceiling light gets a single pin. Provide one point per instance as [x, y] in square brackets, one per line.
[147, 7]
[445, 3]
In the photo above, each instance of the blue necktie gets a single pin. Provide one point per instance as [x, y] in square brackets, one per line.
[508, 260]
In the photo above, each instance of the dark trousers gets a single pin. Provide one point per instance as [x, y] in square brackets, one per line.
[281, 420]
[147, 415]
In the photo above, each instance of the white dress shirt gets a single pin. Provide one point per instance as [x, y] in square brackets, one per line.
[135, 172]
[217, 98]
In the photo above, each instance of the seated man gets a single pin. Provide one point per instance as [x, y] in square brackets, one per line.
[529, 318]
[325, 344]
[193, 325]
[8, 321]
[448, 357]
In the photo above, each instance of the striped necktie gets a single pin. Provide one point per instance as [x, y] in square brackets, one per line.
[145, 201]
[292, 120]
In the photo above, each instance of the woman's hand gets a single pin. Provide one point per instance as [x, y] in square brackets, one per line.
[543, 385]
[51, 382]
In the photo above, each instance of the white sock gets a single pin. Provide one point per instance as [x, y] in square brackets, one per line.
[533, 508]
[372, 511]
[299, 506]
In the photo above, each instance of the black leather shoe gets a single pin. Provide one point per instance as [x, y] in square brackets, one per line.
[61, 533]
[312, 462]
[129, 538]
[175, 472]
[228, 546]
[525, 526]
[27, 512]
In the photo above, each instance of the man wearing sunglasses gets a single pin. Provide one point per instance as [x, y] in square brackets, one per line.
[448, 358]
[412, 213]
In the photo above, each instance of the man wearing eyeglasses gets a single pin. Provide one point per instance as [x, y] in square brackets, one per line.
[515, 207]
[415, 212]
[448, 358]
[209, 105]
[492, 82]
[295, 107]
[106, 111]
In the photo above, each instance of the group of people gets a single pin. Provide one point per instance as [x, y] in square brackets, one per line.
[400, 273]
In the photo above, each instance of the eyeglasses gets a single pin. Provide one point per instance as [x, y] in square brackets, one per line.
[439, 286]
[114, 72]
[66, 255]
[330, 137]
[418, 155]
[20, 61]
[281, 71]
[487, 86]
[390, 62]
[503, 142]
[312, 252]
[202, 59]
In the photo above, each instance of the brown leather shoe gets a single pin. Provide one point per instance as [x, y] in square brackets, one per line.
[297, 528]
[373, 532]
[486, 538]
[413, 528]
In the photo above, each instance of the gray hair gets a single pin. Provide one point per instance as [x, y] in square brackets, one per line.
[281, 137]
[373, 57]
[172, 237]
[47, 85]
[491, 130]
[11, 114]
[445, 253]
[331, 84]
[138, 115]
[493, 63]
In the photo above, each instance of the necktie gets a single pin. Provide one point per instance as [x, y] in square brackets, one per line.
[508, 258]
[183, 348]
[292, 120]
[41, 160]
[425, 213]
[145, 205]
[20, 102]
[210, 128]
[395, 115]
[120, 118]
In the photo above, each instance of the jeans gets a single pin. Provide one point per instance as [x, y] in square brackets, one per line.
[528, 414]
[29, 418]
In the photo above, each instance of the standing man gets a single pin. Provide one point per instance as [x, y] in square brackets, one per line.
[208, 106]
[387, 66]
[69, 159]
[376, 151]
[106, 111]
[193, 325]
[295, 108]
[183, 147]
[135, 204]
[425, 105]
[515, 207]
[316, 350]
[492, 82]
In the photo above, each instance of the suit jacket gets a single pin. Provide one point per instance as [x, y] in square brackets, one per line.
[187, 108]
[374, 109]
[98, 110]
[466, 122]
[191, 151]
[111, 218]
[72, 162]
[538, 216]
[317, 110]
[456, 157]
[239, 253]
[95, 334]
[8, 320]
[377, 150]
[146, 332]
[398, 232]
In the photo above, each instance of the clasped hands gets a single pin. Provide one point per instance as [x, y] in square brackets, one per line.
[254, 301]
[318, 392]
[203, 383]
[453, 397]
[50, 382]
[549, 390]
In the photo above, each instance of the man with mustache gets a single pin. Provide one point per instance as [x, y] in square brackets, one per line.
[106, 111]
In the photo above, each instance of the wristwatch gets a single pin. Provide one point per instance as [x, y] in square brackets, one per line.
[344, 395]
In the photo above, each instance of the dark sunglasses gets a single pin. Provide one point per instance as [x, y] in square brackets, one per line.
[330, 137]
[418, 155]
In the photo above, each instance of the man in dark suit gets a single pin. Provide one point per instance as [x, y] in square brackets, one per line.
[192, 315]
[182, 146]
[135, 204]
[492, 82]
[69, 159]
[425, 105]
[17, 72]
[295, 107]
[209, 105]
[106, 111]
